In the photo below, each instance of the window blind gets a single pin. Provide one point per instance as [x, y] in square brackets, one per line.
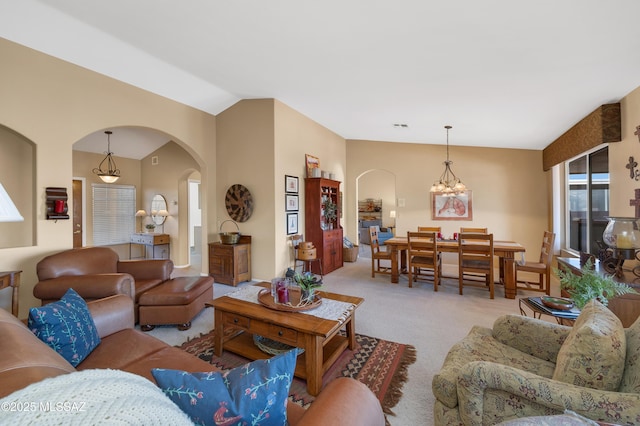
[114, 208]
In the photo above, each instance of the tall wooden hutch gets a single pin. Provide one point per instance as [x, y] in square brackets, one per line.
[326, 234]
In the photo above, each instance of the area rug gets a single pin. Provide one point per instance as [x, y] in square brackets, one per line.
[380, 364]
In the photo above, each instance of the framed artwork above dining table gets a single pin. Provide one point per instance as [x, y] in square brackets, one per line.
[451, 207]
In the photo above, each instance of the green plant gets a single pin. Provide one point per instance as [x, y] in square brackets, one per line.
[150, 226]
[307, 281]
[591, 284]
[330, 210]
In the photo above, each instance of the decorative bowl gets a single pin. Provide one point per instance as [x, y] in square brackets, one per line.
[560, 303]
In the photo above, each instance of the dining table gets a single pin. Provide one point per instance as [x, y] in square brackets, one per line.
[505, 250]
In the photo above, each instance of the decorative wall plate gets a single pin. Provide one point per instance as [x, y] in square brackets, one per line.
[239, 203]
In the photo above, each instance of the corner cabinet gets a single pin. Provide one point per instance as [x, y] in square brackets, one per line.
[322, 222]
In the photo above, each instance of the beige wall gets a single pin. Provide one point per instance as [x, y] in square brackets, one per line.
[245, 152]
[510, 190]
[54, 104]
[259, 142]
[297, 135]
[622, 186]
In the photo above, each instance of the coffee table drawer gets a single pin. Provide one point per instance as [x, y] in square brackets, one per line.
[274, 331]
[236, 320]
[283, 334]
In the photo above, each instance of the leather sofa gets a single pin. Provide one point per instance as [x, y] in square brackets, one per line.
[97, 272]
[383, 235]
[24, 360]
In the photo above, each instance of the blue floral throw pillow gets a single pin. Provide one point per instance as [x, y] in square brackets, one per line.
[253, 394]
[66, 326]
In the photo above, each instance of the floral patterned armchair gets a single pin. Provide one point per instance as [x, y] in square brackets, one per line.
[529, 367]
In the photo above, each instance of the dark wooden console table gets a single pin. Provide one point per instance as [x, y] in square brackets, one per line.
[626, 307]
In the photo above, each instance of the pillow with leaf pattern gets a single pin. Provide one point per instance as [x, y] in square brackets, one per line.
[255, 393]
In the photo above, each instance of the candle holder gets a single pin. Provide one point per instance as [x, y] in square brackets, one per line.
[622, 236]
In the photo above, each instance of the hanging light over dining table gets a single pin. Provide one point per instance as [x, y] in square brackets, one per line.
[112, 173]
[448, 183]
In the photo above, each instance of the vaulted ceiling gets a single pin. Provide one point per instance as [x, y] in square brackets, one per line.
[503, 73]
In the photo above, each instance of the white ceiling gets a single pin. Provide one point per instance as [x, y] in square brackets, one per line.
[503, 73]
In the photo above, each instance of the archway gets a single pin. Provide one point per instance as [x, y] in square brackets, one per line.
[155, 163]
[380, 186]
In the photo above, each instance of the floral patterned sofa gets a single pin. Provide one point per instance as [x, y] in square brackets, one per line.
[529, 367]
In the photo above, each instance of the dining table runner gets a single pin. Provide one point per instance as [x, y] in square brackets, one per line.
[329, 309]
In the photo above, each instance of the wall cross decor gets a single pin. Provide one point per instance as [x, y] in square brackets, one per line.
[633, 171]
[636, 202]
[637, 132]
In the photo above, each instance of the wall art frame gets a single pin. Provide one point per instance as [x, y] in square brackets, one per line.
[291, 184]
[292, 223]
[457, 207]
[292, 202]
[311, 163]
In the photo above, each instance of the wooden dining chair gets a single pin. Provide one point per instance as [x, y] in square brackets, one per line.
[378, 255]
[474, 230]
[542, 267]
[475, 256]
[422, 256]
[435, 229]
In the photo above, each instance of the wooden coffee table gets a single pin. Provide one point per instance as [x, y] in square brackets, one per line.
[237, 320]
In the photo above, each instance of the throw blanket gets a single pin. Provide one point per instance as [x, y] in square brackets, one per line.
[330, 309]
[91, 397]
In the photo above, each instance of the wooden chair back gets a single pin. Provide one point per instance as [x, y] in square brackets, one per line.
[435, 229]
[378, 255]
[375, 240]
[542, 267]
[475, 255]
[422, 255]
[546, 251]
[474, 230]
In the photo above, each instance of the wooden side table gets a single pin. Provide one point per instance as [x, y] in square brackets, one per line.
[231, 263]
[11, 279]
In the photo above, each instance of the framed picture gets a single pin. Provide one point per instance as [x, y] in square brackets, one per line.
[292, 223]
[291, 184]
[457, 207]
[312, 163]
[293, 203]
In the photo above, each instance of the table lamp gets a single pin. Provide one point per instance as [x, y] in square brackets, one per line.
[141, 213]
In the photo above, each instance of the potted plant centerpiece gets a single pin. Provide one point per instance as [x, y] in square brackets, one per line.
[308, 284]
[150, 227]
[591, 284]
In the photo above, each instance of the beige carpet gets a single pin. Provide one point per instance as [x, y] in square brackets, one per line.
[431, 322]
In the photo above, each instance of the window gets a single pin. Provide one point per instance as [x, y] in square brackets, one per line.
[588, 200]
[114, 208]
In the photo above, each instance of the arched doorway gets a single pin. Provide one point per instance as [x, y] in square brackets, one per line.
[155, 164]
[380, 186]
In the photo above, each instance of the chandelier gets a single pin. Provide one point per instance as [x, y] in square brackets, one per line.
[112, 173]
[448, 184]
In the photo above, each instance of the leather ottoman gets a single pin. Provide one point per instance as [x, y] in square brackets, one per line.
[175, 301]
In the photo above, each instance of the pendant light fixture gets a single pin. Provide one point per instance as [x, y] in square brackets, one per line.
[112, 173]
[448, 184]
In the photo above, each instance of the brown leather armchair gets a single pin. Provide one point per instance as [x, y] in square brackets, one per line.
[97, 272]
